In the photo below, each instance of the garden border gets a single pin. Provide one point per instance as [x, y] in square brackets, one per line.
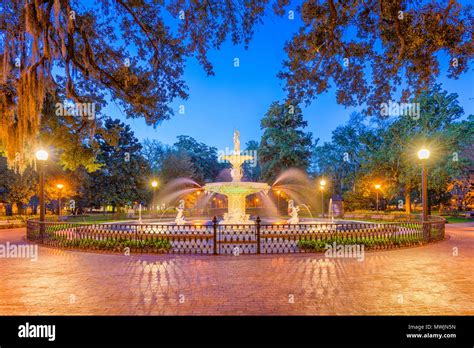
[218, 239]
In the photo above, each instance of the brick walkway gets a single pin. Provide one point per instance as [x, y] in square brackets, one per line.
[423, 280]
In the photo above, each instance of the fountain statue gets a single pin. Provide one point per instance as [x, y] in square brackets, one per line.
[236, 142]
[293, 212]
[236, 190]
[180, 216]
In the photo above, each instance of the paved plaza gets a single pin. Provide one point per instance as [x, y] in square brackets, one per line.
[435, 279]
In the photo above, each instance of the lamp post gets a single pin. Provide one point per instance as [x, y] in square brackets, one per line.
[60, 187]
[377, 188]
[278, 199]
[41, 156]
[154, 184]
[423, 155]
[322, 183]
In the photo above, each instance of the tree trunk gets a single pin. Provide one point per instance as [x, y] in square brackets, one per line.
[8, 210]
[407, 201]
[19, 207]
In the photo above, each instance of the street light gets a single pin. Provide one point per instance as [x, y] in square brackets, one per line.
[278, 199]
[154, 184]
[41, 156]
[423, 155]
[377, 188]
[322, 183]
[60, 187]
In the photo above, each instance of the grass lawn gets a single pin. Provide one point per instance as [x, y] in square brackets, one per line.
[457, 219]
[97, 218]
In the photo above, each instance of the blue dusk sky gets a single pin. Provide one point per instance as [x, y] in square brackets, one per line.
[237, 98]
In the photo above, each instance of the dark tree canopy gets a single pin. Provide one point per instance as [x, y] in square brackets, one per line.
[122, 179]
[134, 50]
[371, 48]
[284, 144]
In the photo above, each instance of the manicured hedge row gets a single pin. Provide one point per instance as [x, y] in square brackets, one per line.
[378, 242]
[113, 244]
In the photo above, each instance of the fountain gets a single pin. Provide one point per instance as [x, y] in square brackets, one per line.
[236, 190]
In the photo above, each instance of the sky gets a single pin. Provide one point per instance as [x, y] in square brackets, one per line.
[238, 97]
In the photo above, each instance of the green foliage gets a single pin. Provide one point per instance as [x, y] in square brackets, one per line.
[385, 151]
[176, 165]
[134, 51]
[395, 44]
[123, 176]
[284, 144]
[319, 245]
[203, 158]
[16, 188]
[252, 171]
[113, 243]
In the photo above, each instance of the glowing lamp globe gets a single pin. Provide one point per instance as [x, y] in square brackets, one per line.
[60, 186]
[322, 182]
[41, 155]
[377, 186]
[424, 154]
[154, 183]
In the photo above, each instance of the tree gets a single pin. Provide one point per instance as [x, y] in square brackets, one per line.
[135, 51]
[252, 170]
[284, 144]
[154, 152]
[203, 157]
[437, 129]
[386, 152]
[16, 188]
[176, 165]
[123, 177]
[371, 48]
[342, 159]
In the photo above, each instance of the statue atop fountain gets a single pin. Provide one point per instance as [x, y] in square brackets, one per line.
[236, 191]
[236, 142]
[293, 212]
[180, 216]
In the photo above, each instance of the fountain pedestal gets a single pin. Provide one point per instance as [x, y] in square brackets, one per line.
[236, 190]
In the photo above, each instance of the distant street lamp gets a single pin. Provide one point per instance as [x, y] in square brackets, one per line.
[423, 155]
[377, 188]
[154, 184]
[322, 183]
[60, 187]
[278, 199]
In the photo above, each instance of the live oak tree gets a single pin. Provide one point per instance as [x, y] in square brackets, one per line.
[386, 152]
[252, 170]
[372, 49]
[439, 129]
[343, 158]
[131, 51]
[16, 188]
[203, 157]
[123, 176]
[284, 144]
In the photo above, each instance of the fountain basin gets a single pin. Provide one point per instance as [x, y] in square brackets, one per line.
[236, 191]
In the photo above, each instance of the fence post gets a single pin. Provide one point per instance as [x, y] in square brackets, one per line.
[258, 233]
[214, 226]
[41, 223]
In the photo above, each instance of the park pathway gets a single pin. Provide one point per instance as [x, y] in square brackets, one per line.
[435, 279]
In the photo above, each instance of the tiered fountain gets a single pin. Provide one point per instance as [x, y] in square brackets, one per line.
[236, 191]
